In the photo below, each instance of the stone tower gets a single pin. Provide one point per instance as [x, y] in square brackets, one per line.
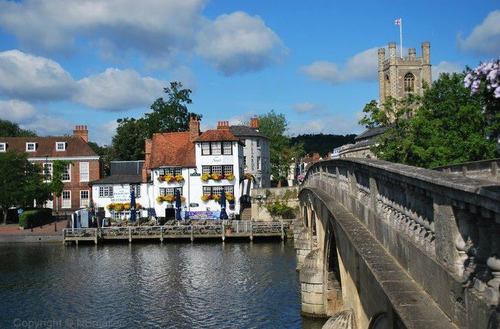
[399, 77]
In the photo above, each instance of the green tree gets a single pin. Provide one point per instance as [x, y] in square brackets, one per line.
[168, 115]
[12, 179]
[11, 129]
[35, 189]
[56, 184]
[274, 126]
[106, 155]
[448, 127]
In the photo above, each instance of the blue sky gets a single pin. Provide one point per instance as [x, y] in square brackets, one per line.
[68, 62]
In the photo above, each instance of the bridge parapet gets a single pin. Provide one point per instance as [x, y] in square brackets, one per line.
[443, 229]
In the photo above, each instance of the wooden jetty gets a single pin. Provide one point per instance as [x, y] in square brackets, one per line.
[188, 231]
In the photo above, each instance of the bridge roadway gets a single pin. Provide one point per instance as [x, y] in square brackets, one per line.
[383, 245]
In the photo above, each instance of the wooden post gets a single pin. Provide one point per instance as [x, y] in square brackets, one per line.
[64, 235]
[95, 238]
[251, 230]
[192, 233]
[129, 234]
[161, 234]
[282, 231]
[223, 232]
[237, 227]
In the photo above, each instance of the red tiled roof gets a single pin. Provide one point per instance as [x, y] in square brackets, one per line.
[171, 149]
[46, 146]
[217, 135]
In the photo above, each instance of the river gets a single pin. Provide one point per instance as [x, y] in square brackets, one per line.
[171, 285]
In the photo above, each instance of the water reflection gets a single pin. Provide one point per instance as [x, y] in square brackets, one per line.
[174, 285]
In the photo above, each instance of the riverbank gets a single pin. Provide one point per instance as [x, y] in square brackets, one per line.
[50, 233]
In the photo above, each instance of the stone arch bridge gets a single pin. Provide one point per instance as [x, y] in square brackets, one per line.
[384, 245]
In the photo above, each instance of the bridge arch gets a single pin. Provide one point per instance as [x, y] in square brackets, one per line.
[389, 241]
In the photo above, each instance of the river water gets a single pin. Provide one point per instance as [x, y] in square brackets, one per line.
[173, 285]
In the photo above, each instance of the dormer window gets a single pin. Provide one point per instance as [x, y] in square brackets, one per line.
[30, 147]
[60, 146]
[3, 147]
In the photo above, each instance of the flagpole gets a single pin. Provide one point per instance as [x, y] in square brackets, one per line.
[401, 37]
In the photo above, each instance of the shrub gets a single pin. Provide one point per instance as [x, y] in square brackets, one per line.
[35, 217]
[279, 208]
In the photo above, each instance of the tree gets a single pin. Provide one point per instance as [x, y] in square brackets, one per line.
[11, 180]
[169, 115]
[34, 186]
[274, 126]
[448, 127]
[56, 184]
[106, 155]
[11, 129]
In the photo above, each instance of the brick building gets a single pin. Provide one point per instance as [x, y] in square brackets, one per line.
[84, 164]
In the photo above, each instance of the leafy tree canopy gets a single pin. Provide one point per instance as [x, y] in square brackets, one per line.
[274, 126]
[449, 126]
[167, 115]
[322, 143]
[11, 129]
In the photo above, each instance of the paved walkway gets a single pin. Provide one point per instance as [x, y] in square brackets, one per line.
[48, 229]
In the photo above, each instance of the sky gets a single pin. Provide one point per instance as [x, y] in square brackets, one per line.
[69, 62]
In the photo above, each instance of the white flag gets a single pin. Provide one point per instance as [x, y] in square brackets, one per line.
[397, 21]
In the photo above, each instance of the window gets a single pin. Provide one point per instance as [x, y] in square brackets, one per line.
[60, 146]
[106, 191]
[84, 171]
[205, 148]
[258, 142]
[169, 190]
[228, 169]
[84, 198]
[227, 148]
[173, 171]
[66, 176]
[245, 161]
[212, 190]
[47, 171]
[30, 147]
[66, 199]
[258, 163]
[3, 147]
[221, 170]
[409, 83]
[216, 148]
[137, 190]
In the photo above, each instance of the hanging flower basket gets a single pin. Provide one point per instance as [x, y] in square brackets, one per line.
[205, 177]
[179, 178]
[169, 198]
[230, 197]
[217, 177]
[206, 197]
[229, 177]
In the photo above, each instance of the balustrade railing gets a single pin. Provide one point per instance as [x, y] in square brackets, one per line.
[453, 219]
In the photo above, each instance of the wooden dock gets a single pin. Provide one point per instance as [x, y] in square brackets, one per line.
[188, 231]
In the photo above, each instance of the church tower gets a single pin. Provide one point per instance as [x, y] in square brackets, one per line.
[399, 77]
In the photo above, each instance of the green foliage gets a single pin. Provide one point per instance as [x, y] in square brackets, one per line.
[35, 217]
[106, 155]
[168, 115]
[280, 208]
[56, 184]
[321, 143]
[449, 127]
[21, 182]
[274, 126]
[11, 129]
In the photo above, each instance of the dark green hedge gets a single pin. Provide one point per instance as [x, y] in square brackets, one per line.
[35, 217]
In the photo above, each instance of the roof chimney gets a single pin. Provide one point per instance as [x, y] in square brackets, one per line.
[148, 145]
[223, 125]
[254, 123]
[194, 128]
[82, 132]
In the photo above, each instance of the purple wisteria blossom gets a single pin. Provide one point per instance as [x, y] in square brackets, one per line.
[489, 73]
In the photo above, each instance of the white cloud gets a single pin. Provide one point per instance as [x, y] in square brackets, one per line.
[118, 90]
[16, 110]
[30, 77]
[103, 133]
[306, 107]
[484, 38]
[238, 43]
[445, 67]
[362, 66]
[160, 32]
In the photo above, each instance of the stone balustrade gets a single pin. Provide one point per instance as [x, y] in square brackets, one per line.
[443, 229]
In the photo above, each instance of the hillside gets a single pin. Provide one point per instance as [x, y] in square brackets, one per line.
[322, 143]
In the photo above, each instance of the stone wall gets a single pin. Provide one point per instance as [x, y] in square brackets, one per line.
[263, 196]
[404, 236]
